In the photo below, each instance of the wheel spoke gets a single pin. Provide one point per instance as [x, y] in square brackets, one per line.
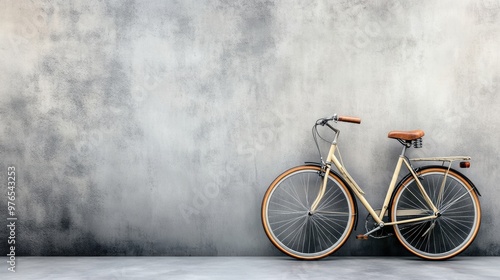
[455, 201]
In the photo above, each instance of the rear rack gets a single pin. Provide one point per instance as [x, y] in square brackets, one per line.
[463, 164]
[447, 159]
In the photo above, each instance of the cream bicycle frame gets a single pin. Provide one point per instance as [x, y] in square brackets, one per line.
[332, 159]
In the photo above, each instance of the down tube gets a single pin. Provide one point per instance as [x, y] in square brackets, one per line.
[356, 189]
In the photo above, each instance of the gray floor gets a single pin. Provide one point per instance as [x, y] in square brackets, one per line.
[250, 268]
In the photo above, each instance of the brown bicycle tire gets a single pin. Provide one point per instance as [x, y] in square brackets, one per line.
[474, 199]
[275, 184]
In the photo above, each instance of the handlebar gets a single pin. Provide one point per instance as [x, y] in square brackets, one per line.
[324, 121]
[349, 119]
[337, 118]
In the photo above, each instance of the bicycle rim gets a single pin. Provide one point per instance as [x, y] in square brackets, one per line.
[286, 219]
[456, 227]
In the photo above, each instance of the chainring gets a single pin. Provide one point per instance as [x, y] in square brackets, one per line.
[384, 232]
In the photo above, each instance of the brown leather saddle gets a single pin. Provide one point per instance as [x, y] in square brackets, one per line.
[406, 135]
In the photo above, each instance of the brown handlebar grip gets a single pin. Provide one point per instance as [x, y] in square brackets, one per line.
[349, 119]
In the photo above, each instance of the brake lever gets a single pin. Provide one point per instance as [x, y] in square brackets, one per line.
[324, 121]
[321, 122]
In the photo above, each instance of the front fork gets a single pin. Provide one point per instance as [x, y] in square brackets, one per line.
[325, 170]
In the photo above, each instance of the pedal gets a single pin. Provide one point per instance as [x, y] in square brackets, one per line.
[362, 237]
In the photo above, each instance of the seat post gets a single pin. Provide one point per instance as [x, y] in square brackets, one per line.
[404, 150]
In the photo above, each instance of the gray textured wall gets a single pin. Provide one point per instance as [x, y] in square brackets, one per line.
[155, 127]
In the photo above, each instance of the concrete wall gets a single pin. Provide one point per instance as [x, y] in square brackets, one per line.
[155, 127]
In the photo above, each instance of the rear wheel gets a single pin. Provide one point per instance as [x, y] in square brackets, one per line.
[288, 222]
[457, 223]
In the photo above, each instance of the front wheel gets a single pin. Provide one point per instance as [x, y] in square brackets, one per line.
[288, 222]
[458, 220]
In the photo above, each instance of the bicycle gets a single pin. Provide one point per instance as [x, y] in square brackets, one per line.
[308, 212]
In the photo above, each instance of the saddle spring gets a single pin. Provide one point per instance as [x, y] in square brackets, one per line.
[417, 143]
